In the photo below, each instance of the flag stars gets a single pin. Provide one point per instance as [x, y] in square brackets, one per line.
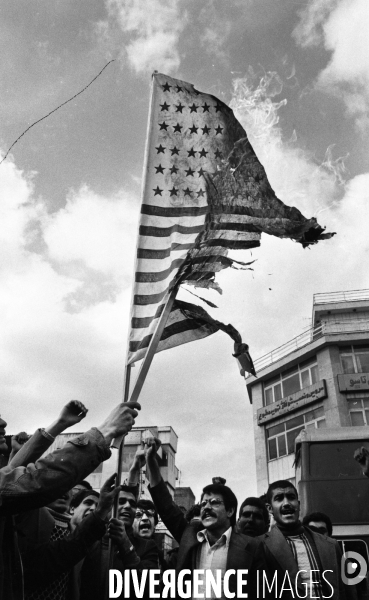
[201, 172]
[191, 152]
[193, 108]
[166, 87]
[218, 107]
[218, 154]
[163, 125]
[164, 106]
[194, 129]
[157, 191]
[205, 107]
[177, 128]
[159, 149]
[190, 172]
[179, 107]
[174, 191]
[159, 169]
[203, 152]
[174, 150]
[179, 89]
[174, 170]
[206, 130]
[200, 193]
[187, 191]
[219, 130]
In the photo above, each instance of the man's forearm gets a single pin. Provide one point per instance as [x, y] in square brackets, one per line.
[153, 471]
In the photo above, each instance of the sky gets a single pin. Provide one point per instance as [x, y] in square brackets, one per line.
[296, 73]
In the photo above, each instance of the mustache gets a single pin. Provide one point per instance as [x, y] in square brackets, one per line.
[208, 513]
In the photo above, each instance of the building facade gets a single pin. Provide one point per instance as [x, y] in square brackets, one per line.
[318, 380]
[132, 441]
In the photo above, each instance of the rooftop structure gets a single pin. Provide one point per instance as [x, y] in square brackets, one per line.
[319, 379]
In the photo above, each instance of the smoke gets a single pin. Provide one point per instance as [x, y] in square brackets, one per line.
[295, 176]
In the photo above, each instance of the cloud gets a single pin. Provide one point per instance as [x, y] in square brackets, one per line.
[214, 40]
[94, 230]
[309, 31]
[341, 26]
[64, 297]
[151, 32]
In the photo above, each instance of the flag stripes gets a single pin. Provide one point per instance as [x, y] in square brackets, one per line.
[204, 192]
[186, 323]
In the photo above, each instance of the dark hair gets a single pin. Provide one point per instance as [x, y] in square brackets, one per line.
[193, 512]
[78, 498]
[319, 516]
[148, 505]
[229, 499]
[130, 489]
[85, 484]
[281, 483]
[252, 501]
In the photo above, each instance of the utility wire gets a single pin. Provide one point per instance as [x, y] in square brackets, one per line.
[55, 109]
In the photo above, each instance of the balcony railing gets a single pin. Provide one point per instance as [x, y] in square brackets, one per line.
[350, 296]
[312, 334]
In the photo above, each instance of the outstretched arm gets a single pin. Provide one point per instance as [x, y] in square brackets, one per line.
[25, 488]
[25, 452]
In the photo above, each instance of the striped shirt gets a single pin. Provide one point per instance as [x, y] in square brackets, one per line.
[306, 562]
[213, 557]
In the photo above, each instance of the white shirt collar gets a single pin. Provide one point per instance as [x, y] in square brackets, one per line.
[202, 536]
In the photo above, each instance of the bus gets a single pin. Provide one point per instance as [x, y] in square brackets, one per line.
[329, 480]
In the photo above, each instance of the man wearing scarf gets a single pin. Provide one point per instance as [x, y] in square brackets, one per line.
[307, 564]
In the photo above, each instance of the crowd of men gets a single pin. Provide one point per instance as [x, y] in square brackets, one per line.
[59, 540]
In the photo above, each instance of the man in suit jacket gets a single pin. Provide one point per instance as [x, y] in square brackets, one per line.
[213, 542]
[312, 561]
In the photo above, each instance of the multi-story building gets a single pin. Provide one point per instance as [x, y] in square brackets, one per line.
[132, 442]
[318, 380]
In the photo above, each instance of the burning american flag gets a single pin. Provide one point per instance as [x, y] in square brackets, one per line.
[204, 192]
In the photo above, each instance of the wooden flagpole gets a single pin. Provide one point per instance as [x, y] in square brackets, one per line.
[145, 365]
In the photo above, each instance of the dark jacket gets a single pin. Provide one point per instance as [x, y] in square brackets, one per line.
[25, 485]
[280, 559]
[244, 552]
[45, 560]
[94, 573]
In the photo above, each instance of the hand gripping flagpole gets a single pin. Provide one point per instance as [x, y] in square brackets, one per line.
[145, 365]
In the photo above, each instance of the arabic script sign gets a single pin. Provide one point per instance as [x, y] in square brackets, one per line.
[310, 394]
[353, 381]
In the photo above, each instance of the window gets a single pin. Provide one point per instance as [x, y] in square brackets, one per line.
[359, 411]
[281, 437]
[355, 359]
[290, 381]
